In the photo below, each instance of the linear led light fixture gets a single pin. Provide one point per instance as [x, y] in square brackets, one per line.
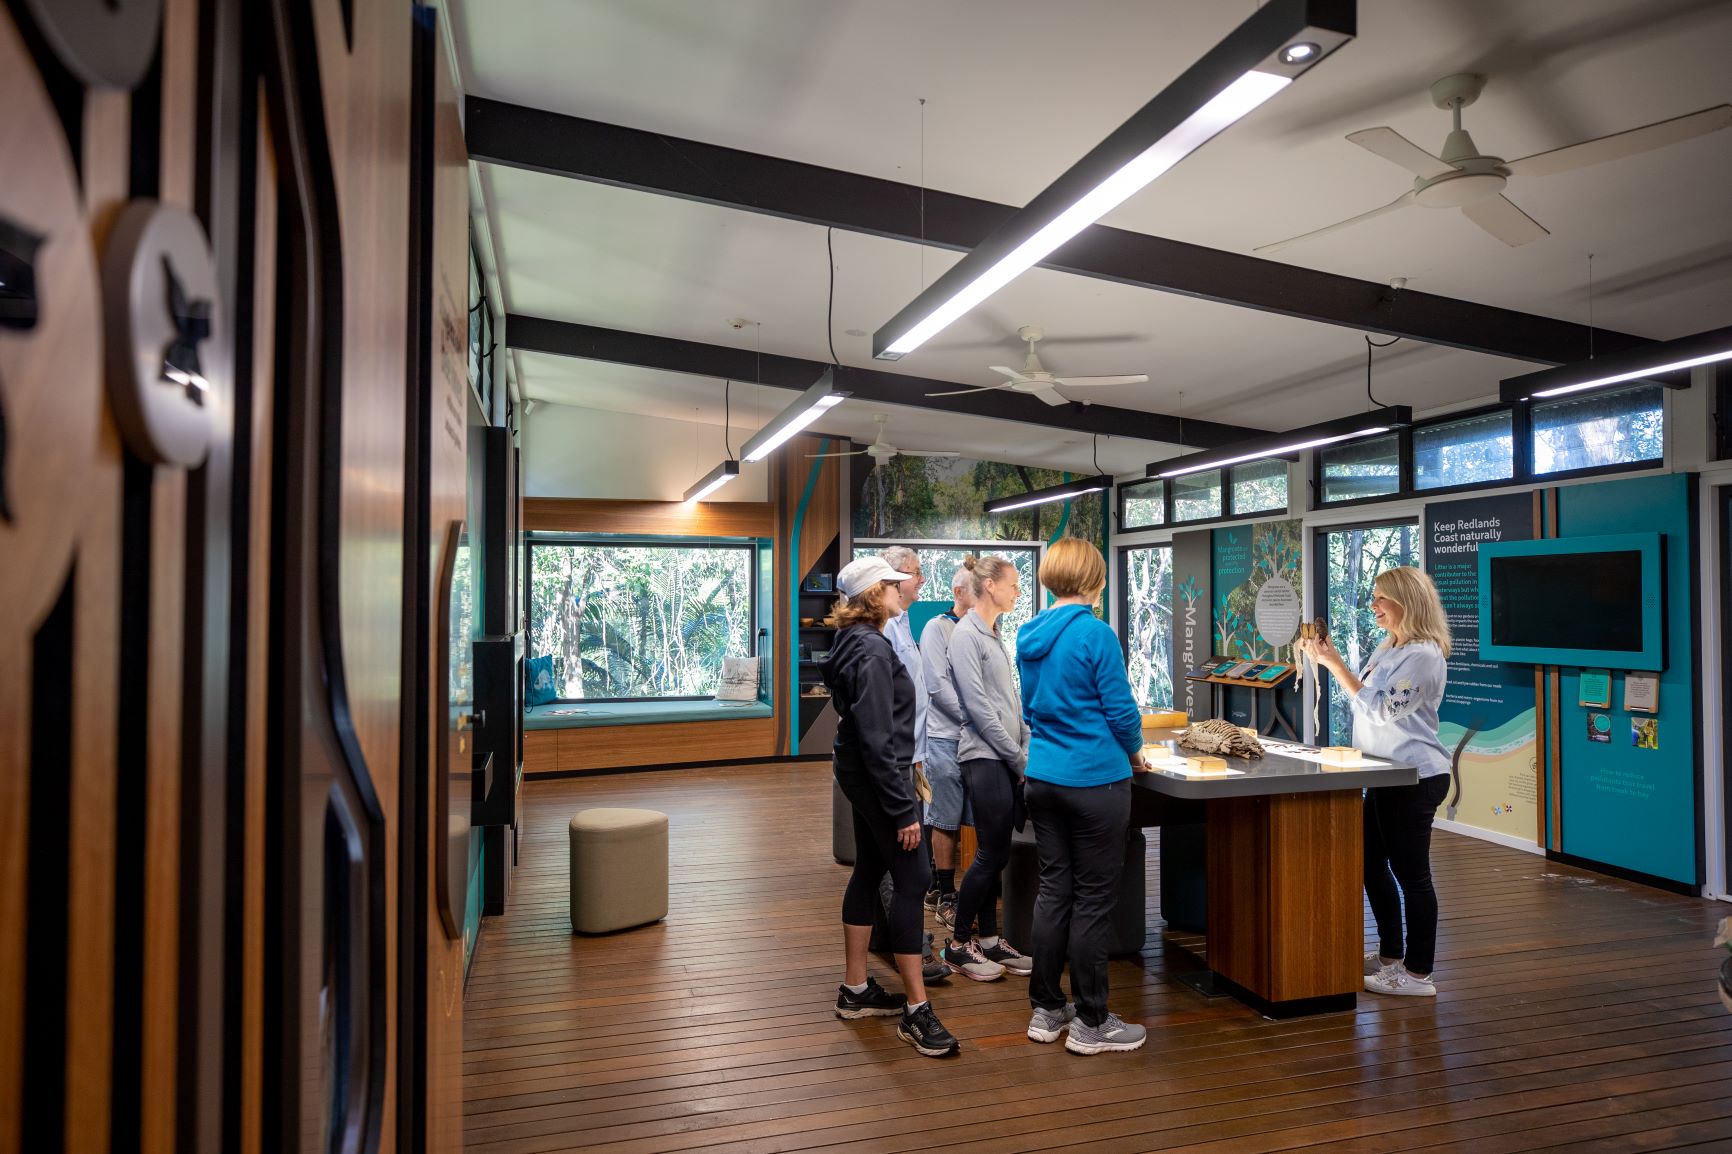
[808, 407]
[1368, 424]
[1649, 361]
[713, 480]
[1064, 492]
[1278, 44]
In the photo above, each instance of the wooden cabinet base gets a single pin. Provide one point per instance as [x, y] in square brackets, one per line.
[1286, 915]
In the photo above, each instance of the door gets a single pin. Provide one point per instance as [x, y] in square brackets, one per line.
[1349, 559]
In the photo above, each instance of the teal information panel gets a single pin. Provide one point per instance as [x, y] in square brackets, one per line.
[1631, 801]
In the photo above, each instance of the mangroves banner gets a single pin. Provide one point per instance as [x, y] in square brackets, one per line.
[1498, 782]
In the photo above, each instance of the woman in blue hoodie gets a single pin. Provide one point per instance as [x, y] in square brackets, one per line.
[1086, 740]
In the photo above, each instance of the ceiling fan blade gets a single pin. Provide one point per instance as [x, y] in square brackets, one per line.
[856, 453]
[1399, 202]
[1013, 374]
[1622, 144]
[1051, 396]
[927, 453]
[1499, 216]
[1397, 149]
[1085, 382]
[973, 389]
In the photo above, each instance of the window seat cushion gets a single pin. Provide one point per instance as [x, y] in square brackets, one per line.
[579, 715]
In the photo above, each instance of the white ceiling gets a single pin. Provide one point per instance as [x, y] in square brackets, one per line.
[1016, 91]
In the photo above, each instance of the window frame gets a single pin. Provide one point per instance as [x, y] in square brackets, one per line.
[1227, 514]
[1123, 605]
[1522, 472]
[1122, 493]
[1598, 470]
[752, 546]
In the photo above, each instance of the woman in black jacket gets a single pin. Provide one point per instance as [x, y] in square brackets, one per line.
[874, 760]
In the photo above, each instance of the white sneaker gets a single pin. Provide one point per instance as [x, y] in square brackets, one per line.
[1374, 963]
[1396, 981]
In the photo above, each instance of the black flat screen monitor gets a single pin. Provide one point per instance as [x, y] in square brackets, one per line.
[1575, 601]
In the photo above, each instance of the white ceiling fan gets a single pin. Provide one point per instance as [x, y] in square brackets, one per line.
[882, 450]
[1033, 377]
[1462, 177]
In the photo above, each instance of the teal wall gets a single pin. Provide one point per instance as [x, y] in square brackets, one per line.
[1628, 807]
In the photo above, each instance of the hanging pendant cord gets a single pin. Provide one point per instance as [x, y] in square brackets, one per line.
[1369, 345]
[830, 309]
[727, 417]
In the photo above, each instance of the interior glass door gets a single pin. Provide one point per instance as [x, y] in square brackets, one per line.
[1349, 560]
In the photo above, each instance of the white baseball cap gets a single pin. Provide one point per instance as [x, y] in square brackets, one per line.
[860, 575]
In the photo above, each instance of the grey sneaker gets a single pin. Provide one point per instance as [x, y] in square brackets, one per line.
[1007, 955]
[1047, 1025]
[966, 959]
[1112, 1034]
[933, 969]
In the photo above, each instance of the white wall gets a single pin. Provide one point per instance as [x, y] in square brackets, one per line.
[571, 452]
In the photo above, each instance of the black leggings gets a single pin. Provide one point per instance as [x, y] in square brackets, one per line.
[1398, 841]
[876, 851]
[990, 794]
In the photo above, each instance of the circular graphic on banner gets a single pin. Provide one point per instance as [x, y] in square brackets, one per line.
[105, 43]
[159, 286]
[1277, 612]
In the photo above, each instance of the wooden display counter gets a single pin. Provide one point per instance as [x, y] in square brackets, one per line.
[1286, 913]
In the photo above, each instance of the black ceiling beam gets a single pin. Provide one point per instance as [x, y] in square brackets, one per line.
[570, 146]
[874, 386]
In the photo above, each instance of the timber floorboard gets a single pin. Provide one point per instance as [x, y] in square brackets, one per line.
[1575, 1012]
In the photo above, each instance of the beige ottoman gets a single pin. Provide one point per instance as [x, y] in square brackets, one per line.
[619, 869]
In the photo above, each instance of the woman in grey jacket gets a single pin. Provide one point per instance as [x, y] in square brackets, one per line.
[992, 749]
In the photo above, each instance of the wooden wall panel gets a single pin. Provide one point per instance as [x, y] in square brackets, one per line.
[603, 747]
[655, 518]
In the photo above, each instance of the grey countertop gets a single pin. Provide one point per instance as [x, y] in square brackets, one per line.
[1272, 773]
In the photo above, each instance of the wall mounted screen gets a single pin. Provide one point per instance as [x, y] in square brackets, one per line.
[1577, 601]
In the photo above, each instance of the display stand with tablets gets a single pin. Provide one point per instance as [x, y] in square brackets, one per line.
[1221, 672]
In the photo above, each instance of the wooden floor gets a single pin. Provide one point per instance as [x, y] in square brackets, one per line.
[1575, 1013]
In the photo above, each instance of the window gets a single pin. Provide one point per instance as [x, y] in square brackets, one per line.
[1142, 505]
[939, 564]
[1604, 430]
[1259, 487]
[1148, 624]
[1470, 451]
[1351, 559]
[1197, 496]
[1360, 469]
[640, 620]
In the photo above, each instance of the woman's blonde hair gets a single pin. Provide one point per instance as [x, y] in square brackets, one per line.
[868, 607]
[1073, 568]
[984, 569]
[1422, 615]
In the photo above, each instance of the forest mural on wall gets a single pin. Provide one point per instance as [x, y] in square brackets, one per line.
[1245, 557]
[942, 499]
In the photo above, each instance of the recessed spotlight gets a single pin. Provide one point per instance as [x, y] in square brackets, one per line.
[1298, 53]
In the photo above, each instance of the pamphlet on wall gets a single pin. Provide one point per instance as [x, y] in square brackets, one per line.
[1596, 689]
[1641, 693]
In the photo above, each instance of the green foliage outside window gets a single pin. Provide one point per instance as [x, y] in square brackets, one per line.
[639, 621]
[1148, 625]
[1354, 558]
[1259, 486]
[1617, 428]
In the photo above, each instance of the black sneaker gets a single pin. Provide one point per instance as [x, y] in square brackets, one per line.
[932, 896]
[927, 1034]
[872, 1002]
[946, 911]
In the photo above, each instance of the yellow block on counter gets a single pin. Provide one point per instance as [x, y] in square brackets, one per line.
[1206, 764]
[1166, 719]
[1341, 755]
